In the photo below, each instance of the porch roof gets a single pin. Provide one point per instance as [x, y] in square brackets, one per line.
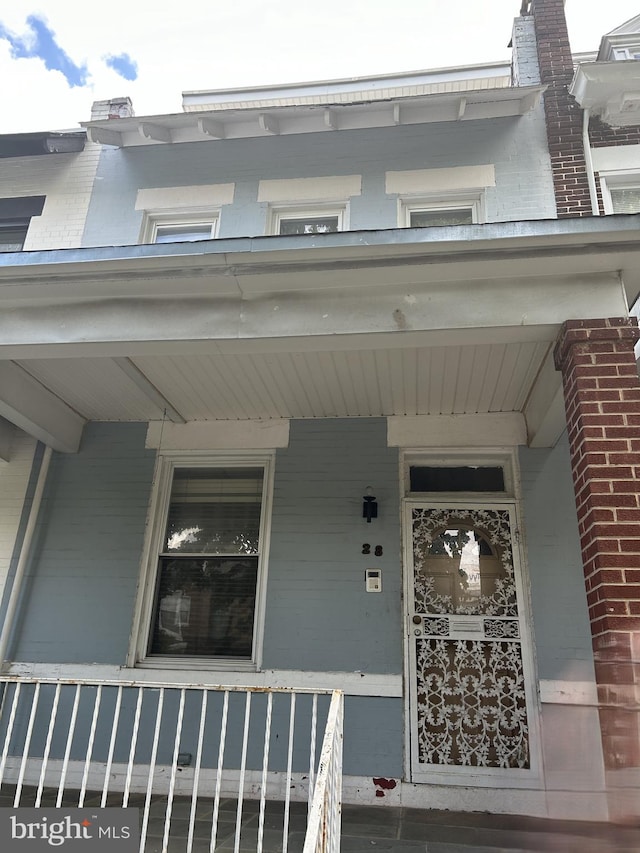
[401, 322]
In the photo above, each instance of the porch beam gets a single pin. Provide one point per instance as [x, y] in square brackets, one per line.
[498, 311]
[544, 410]
[30, 406]
[7, 431]
[149, 389]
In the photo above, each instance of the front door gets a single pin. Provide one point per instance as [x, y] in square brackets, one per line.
[468, 699]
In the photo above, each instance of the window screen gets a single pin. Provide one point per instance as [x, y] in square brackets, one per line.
[625, 199]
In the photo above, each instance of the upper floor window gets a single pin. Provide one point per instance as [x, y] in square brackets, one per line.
[626, 52]
[182, 233]
[12, 234]
[621, 192]
[177, 227]
[316, 220]
[15, 217]
[430, 212]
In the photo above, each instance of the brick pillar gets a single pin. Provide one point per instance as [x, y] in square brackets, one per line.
[563, 115]
[602, 400]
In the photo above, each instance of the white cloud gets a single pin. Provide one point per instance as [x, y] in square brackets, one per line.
[200, 45]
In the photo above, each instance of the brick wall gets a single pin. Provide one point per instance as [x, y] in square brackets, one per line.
[601, 135]
[563, 116]
[602, 399]
[66, 180]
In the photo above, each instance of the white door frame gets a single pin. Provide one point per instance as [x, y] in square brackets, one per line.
[474, 776]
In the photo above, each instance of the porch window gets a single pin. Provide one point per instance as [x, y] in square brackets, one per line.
[209, 564]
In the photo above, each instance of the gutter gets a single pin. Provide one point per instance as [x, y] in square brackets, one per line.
[591, 177]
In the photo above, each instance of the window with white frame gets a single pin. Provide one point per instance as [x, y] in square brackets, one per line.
[206, 563]
[430, 212]
[176, 227]
[311, 220]
[621, 192]
[626, 52]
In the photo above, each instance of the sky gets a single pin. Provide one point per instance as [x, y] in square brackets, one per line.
[58, 56]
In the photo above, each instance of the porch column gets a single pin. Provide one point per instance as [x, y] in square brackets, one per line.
[602, 401]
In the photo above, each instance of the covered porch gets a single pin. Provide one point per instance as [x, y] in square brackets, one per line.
[340, 355]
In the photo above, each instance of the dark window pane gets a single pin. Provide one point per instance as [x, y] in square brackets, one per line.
[205, 608]
[214, 511]
[12, 237]
[427, 218]
[459, 479]
[320, 225]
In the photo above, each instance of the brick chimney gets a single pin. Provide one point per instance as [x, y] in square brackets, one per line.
[114, 108]
[563, 115]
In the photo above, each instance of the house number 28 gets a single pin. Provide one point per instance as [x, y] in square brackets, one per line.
[366, 549]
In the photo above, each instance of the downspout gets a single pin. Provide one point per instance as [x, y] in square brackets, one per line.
[591, 178]
[25, 553]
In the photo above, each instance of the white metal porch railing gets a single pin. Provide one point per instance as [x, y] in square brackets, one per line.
[250, 755]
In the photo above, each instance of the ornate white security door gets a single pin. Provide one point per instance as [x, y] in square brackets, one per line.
[467, 673]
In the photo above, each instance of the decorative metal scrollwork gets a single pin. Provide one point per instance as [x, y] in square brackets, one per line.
[499, 628]
[493, 524]
[471, 703]
[436, 627]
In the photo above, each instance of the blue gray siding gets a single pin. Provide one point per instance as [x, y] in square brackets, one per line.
[83, 579]
[517, 147]
[319, 616]
[558, 597]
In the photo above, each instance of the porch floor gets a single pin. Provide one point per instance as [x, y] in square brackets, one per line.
[374, 829]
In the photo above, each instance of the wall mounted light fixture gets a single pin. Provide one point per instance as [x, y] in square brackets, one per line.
[370, 505]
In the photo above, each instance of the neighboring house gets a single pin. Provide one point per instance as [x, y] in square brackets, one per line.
[303, 380]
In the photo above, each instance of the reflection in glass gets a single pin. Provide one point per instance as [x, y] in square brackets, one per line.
[463, 567]
[208, 568]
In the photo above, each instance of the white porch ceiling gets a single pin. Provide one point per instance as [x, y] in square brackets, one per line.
[304, 384]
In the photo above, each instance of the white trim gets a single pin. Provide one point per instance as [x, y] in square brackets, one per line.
[218, 435]
[430, 181]
[505, 457]
[309, 189]
[450, 431]
[185, 198]
[616, 158]
[143, 612]
[562, 692]
[351, 683]
[488, 777]
[356, 790]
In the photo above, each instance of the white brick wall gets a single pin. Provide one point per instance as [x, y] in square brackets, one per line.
[66, 180]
